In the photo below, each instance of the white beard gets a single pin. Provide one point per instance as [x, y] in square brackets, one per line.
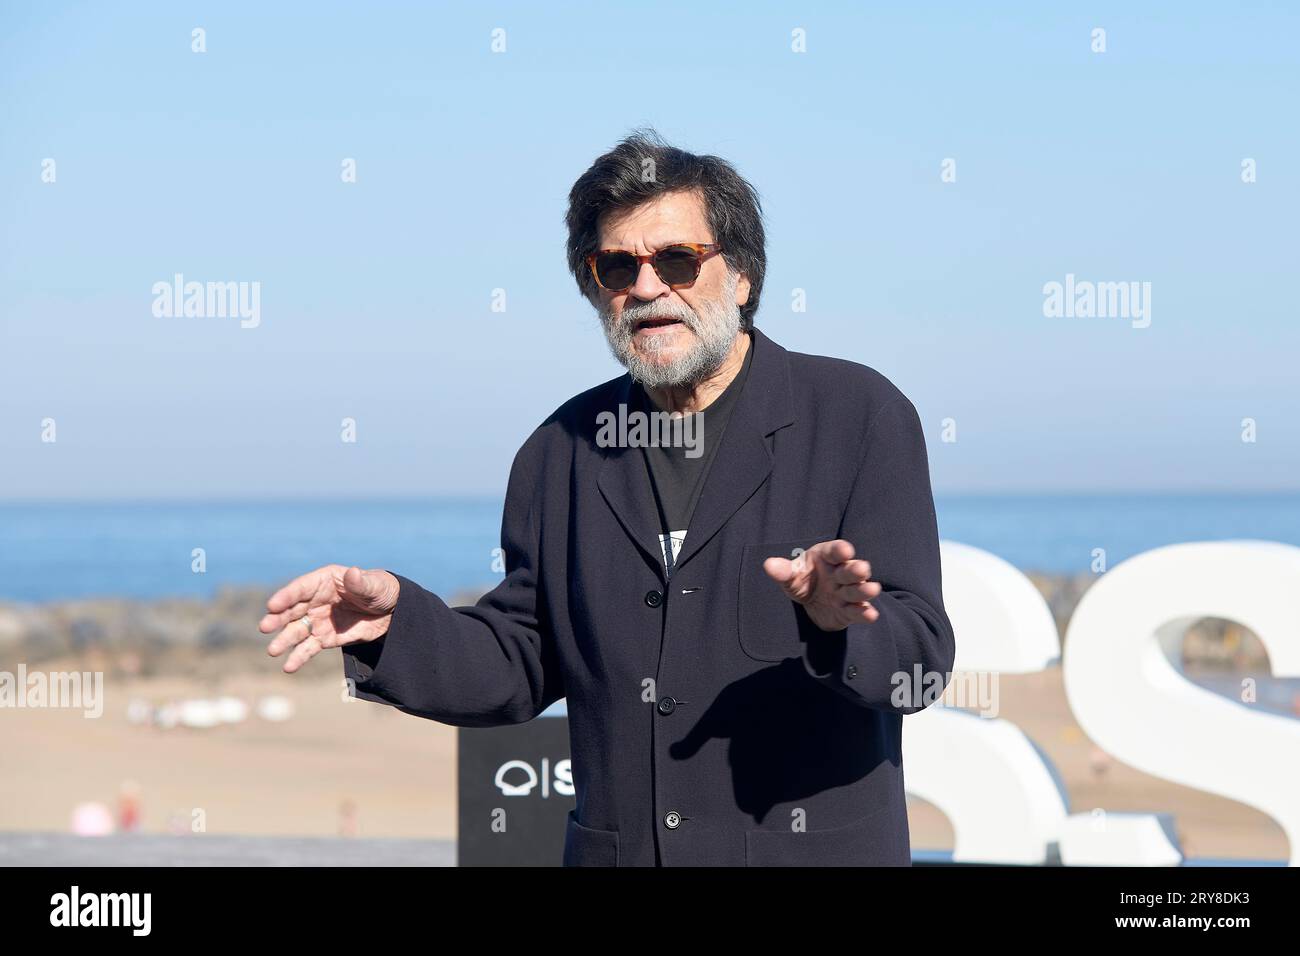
[715, 327]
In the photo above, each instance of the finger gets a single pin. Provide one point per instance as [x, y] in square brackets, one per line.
[780, 570]
[861, 613]
[850, 572]
[294, 634]
[793, 576]
[361, 630]
[368, 589]
[325, 627]
[300, 589]
[302, 654]
[272, 622]
[345, 627]
[325, 631]
[835, 552]
[858, 592]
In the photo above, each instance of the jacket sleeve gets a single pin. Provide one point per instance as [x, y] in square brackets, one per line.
[901, 661]
[484, 665]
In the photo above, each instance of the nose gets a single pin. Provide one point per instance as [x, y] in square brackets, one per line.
[648, 284]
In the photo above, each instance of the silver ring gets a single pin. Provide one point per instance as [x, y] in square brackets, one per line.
[307, 620]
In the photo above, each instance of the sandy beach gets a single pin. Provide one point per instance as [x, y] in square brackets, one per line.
[338, 766]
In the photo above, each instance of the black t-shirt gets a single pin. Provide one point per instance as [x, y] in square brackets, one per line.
[678, 468]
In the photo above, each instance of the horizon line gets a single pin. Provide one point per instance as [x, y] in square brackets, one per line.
[479, 497]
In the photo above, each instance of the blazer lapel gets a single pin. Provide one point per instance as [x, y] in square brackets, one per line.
[624, 481]
[743, 460]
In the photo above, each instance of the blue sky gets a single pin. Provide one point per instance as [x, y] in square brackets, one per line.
[376, 295]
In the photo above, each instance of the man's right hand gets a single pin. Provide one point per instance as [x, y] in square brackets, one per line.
[345, 605]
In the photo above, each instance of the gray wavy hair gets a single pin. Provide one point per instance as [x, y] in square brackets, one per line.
[616, 181]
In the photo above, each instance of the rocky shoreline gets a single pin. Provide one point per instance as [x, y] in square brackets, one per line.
[198, 638]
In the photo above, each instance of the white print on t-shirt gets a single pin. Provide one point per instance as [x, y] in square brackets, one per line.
[670, 545]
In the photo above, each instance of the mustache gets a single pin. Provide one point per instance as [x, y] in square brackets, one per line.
[630, 317]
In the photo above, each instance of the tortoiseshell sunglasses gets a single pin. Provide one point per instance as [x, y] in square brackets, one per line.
[677, 266]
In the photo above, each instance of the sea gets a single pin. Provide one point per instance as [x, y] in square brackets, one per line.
[52, 551]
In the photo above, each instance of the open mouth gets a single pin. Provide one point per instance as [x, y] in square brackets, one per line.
[656, 324]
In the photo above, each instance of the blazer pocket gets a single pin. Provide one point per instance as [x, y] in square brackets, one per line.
[768, 623]
[878, 839]
[585, 846]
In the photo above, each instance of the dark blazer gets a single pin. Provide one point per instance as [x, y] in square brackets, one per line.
[711, 722]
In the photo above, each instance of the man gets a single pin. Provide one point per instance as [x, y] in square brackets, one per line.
[726, 611]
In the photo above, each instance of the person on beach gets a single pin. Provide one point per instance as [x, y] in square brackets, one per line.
[725, 559]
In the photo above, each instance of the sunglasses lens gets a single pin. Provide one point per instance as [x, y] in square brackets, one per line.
[677, 265]
[616, 270]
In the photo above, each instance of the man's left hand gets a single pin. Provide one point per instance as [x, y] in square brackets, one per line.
[834, 588]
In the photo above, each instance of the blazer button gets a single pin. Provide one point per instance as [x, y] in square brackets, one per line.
[667, 706]
[654, 598]
[672, 820]
[852, 672]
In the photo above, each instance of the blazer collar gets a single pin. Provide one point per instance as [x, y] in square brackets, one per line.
[741, 463]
